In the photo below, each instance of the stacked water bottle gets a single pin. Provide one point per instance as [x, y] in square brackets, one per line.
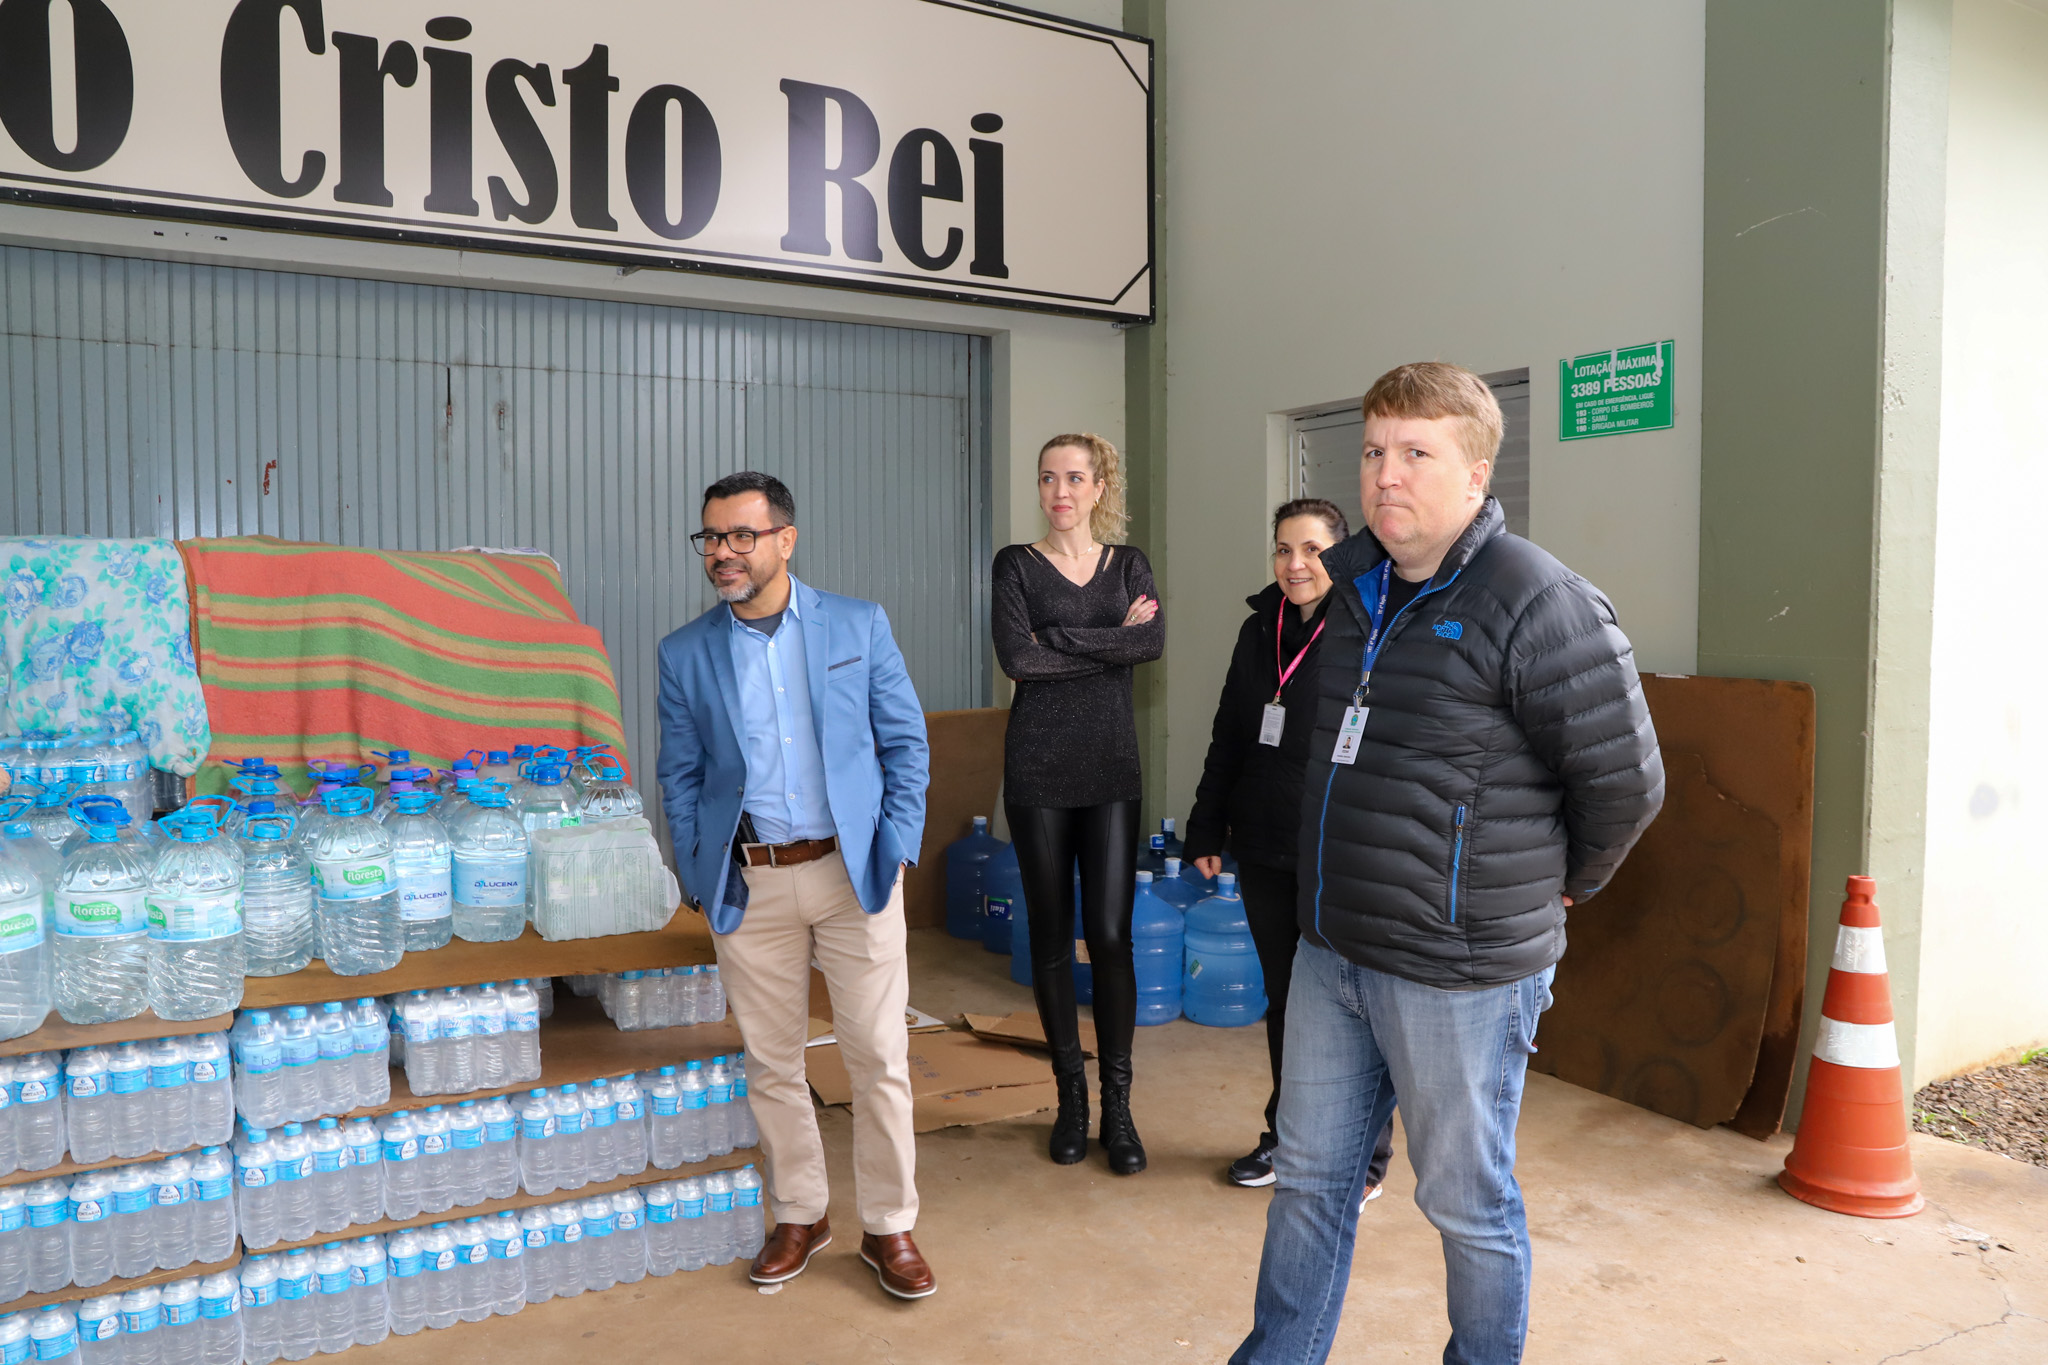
[663, 998]
[126, 1100]
[123, 1222]
[460, 1039]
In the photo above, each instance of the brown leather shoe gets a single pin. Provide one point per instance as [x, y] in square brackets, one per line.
[895, 1260]
[789, 1249]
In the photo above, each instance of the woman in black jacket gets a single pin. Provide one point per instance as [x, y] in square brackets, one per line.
[1250, 794]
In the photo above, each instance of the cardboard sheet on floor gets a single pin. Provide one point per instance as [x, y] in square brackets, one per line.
[914, 1019]
[1024, 1029]
[955, 1078]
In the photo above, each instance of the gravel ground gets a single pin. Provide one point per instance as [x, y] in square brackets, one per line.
[2002, 1109]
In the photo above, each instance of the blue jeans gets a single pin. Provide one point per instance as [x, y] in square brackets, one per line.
[1356, 1038]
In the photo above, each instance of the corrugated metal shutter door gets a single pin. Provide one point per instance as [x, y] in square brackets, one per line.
[153, 398]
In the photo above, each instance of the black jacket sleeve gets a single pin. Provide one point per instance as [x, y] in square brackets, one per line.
[1236, 727]
[1575, 692]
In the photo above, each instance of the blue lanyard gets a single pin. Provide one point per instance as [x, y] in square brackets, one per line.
[1379, 628]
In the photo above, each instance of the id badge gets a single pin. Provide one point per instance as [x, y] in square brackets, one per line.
[1271, 723]
[1350, 734]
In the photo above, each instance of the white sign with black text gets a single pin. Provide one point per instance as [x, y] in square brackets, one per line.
[934, 147]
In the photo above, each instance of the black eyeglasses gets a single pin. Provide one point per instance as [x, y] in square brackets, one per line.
[741, 541]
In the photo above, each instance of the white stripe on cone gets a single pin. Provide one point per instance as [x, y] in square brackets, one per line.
[1871, 1046]
[1859, 949]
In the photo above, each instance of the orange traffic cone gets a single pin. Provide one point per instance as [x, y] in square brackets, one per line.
[1850, 1155]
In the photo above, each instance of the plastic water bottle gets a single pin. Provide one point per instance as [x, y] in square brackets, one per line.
[505, 1275]
[443, 1284]
[718, 1113]
[336, 1051]
[472, 1269]
[749, 1233]
[500, 1151]
[176, 1195]
[490, 855]
[629, 1134]
[333, 1204]
[746, 1130]
[600, 1141]
[301, 1054]
[421, 856]
[369, 1289]
[489, 1020]
[277, 897]
[99, 1331]
[371, 1039]
[664, 1244]
[259, 1068]
[170, 1096]
[356, 889]
[600, 1224]
[334, 1312]
[437, 1194]
[24, 953]
[696, 1113]
[102, 944]
[535, 1228]
[296, 1332]
[565, 1240]
[524, 1009]
[214, 1227]
[718, 1218]
[261, 1332]
[458, 1042]
[13, 1243]
[35, 1095]
[1223, 985]
[194, 908]
[713, 1005]
[629, 1237]
[421, 1019]
[15, 1346]
[294, 1164]
[401, 1162]
[693, 1241]
[664, 1120]
[538, 1172]
[466, 1154]
[623, 1000]
[88, 1101]
[53, 1333]
[405, 1266]
[572, 1152]
[211, 1087]
[256, 1188]
[128, 1082]
[220, 1319]
[142, 1323]
[134, 1222]
[181, 1333]
[92, 1229]
[364, 1167]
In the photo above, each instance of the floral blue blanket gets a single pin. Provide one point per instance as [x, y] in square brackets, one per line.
[101, 631]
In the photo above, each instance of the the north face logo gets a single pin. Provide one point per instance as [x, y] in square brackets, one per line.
[1449, 630]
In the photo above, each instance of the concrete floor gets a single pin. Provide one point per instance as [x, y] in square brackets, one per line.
[1655, 1242]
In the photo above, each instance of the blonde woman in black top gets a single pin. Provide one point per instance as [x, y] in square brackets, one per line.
[1073, 612]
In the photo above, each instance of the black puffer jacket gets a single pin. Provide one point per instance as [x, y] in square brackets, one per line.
[1508, 760]
[1250, 793]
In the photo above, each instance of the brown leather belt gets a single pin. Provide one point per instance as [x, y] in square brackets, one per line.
[789, 854]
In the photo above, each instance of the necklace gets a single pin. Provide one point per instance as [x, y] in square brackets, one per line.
[1052, 549]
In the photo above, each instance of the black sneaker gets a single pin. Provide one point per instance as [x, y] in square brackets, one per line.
[1253, 1170]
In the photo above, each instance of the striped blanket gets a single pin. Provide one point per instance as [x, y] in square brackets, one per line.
[322, 652]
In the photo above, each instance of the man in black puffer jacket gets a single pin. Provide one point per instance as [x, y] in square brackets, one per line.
[1482, 759]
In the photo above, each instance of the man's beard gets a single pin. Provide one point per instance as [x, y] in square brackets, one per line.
[743, 591]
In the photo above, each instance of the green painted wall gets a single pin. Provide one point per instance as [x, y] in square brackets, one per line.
[1145, 426]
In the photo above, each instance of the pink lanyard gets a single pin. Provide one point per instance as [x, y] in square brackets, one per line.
[1288, 671]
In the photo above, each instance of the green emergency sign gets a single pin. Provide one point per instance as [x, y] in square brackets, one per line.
[1611, 392]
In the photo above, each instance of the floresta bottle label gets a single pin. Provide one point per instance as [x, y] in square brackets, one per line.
[101, 914]
[21, 925]
[350, 879]
[194, 919]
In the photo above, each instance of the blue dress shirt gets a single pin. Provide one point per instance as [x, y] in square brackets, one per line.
[785, 767]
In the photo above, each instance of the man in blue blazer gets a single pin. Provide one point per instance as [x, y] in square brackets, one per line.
[793, 769]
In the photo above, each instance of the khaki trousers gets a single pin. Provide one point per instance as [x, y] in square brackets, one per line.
[795, 914]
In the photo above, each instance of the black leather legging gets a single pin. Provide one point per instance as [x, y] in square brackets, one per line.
[1105, 840]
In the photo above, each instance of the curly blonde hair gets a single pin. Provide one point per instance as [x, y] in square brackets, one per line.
[1109, 519]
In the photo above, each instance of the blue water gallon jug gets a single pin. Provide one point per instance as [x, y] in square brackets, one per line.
[1002, 894]
[966, 861]
[1174, 885]
[1020, 950]
[1163, 845]
[1157, 933]
[1223, 986]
